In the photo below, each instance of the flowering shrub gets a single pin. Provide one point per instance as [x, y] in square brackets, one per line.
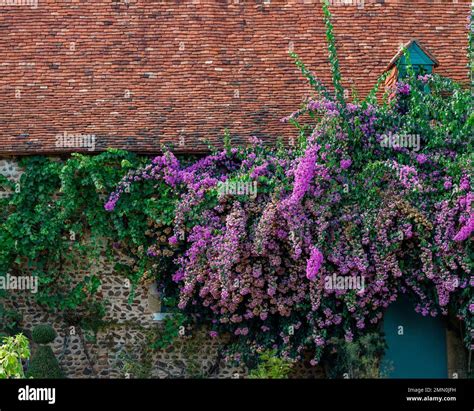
[340, 204]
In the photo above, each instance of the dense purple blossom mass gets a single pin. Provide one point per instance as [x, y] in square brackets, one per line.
[338, 206]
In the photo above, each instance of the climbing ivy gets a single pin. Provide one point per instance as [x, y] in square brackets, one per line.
[55, 226]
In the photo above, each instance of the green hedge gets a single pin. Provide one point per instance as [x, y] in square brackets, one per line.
[44, 364]
[43, 334]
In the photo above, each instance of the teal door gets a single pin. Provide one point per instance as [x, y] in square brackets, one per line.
[416, 344]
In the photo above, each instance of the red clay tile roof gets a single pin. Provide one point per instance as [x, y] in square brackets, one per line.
[140, 73]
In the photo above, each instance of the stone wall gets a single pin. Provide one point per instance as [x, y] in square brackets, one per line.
[10, 169]
[125, 330]
[128, 325]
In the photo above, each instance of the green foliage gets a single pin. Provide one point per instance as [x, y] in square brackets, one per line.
[357, 359]
[44, 364]
[227, 141]
[10, 320]
[12, 351]
[372, 96]
[313, 81]
[56, 226]
[135, 366]
[333, 59]
[43, 334]
[168, 331]
[270, 366]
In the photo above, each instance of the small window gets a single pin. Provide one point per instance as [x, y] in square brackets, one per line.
[157, 304]
[421, 60]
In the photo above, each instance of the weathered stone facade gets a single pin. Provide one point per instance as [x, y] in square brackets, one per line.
[125, 331]
[10, 169]
[127, 327]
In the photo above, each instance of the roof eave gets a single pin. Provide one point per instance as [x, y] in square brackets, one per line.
[394, 60]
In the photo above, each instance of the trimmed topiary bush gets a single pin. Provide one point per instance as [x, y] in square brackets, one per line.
[44, 364]
[43, 334]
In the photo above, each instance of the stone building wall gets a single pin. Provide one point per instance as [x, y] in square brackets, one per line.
[127, 326]
[10, 169]
[125, 330]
